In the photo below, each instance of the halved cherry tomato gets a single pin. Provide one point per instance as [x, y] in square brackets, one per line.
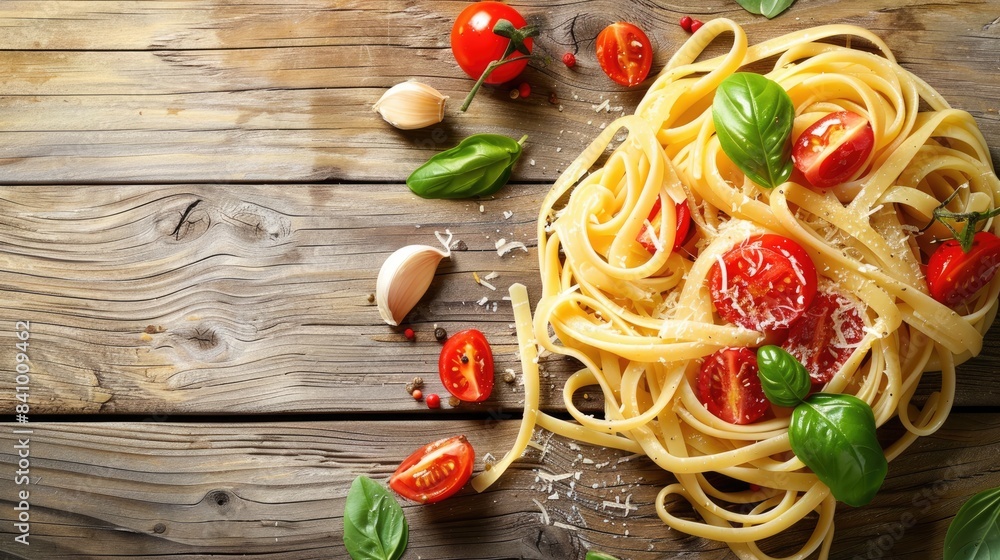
[435, 471]
[766, 284]
[830, 151]
[729, 387]
[954, 276]
[646, 235]
[466, 366]
[825, 336]
[624, 53]
[475, 45]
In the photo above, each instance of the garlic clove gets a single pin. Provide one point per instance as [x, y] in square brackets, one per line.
[405, 277]
[411, 105]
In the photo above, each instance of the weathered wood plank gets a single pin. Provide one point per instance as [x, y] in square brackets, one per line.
[208, 299]
[206, 91]
[230, 299]
[155, 490]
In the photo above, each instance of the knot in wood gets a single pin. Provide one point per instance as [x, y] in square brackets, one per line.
[219, 498]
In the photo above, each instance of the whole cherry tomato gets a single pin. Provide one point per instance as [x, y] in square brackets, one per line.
[435, 471]
[729, 387]
[768, 282]
[624, 53]
[475, 45]
[830, 151]
[466, 366]
[954, 276]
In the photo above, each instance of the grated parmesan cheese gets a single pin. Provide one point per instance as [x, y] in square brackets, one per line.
[545, 512]
[503, 246]
[554, 477]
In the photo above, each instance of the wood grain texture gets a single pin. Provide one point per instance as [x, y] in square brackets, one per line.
[269, 490]
[118, 92]
[211, 299]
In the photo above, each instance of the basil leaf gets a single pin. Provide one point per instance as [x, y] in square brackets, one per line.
[478, 166]
[974, 534]
[593, 555]
[766, 8]
[834, 435]
[374, 525]
[753, 119]
[784, 379]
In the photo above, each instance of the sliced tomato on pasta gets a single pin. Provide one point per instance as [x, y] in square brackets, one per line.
[765, 283]
[650, 231]
[826, 335]
[729, 387]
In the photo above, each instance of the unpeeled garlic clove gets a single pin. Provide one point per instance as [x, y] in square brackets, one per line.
[411, 105]
[405, 277]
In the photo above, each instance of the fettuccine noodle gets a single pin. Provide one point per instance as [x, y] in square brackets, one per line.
[640, 323]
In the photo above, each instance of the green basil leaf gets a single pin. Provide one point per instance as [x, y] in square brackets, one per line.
[753, 119]
[767, 8]
[478, 166]
[974, 534]
[374, 525]
[784, 379]
[593, 555]
[834, 435]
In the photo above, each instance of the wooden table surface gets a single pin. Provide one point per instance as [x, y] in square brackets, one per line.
[195, 202]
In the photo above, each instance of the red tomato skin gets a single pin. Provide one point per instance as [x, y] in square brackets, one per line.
[472, 380]
[824, 168]
[747, 297]
[729, 387]
[683, 213]
[624, 53]
[448, 468]
[475, 45]
[954, 276]
[814, 338]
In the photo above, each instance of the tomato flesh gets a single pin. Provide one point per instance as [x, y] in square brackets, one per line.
[435, 471]
[475, 45]
[466, 366]
[624, 53]
[825, 336]
[763, 284]
[830, 151]
[729, 387]
[954, 276]
[647, 233]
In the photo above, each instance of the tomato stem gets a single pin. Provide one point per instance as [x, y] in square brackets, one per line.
[486, 73]
[517, 37]
[971, 219]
